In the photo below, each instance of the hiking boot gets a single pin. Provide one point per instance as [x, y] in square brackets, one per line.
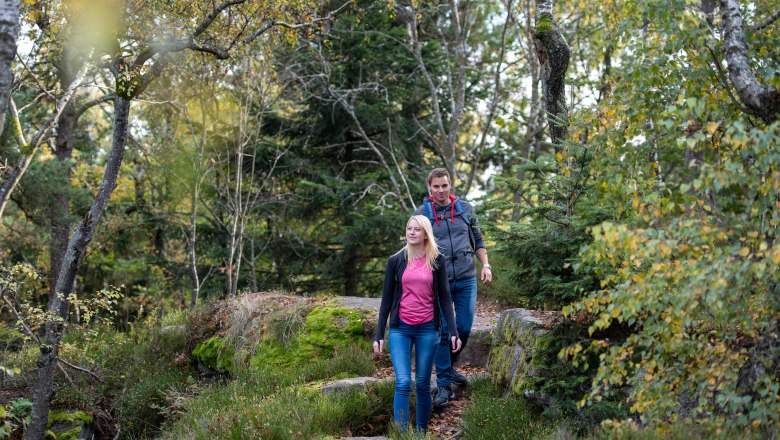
[459, 379]
[443, 396]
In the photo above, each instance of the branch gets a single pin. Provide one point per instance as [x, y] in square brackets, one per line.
[35, 78]
[564, 224]
[97, 101]
[28, 150]
[20, 318]
[213, 16]
[721, 82]
[771, 19]
[83, 370]
[221, 54]
[273, 23]
[188, 43]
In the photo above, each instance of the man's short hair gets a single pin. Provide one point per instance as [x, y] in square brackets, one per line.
[439, 172]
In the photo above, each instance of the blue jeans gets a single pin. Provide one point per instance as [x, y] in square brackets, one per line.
[424, 337]
[464, 296]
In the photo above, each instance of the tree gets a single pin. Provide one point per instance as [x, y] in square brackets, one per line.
[9, 32]
[132, 77]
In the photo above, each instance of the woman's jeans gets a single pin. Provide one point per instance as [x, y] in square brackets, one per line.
[425, 339]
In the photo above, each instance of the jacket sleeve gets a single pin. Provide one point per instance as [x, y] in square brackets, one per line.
[387, 299]
[478, 241]
[445, 299]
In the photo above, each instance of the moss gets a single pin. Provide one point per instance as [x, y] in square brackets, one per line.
[510, 358]
[64, 420]
[327, 327]
[544, 24]
[70, 417]
[214, 354]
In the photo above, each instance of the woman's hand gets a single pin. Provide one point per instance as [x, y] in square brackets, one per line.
[456, 344]
[378, 346]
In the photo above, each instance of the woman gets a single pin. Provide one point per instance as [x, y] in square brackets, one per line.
[415, 289]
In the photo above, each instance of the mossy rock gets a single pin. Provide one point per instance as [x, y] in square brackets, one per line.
[327, 327]
[518, 336]
[214, 354]
[69, 425]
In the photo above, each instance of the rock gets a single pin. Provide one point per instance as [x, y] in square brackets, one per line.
[514, 343]
[478, 348]
[174, 330]
[344, 385]
[75, 425]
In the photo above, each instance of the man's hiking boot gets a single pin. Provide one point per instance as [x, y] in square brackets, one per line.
[443, 396]
[459, 379]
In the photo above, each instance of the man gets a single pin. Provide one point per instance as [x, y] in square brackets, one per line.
[459, 238]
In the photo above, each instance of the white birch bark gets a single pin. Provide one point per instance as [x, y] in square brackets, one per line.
[9, 32]
[760, 100]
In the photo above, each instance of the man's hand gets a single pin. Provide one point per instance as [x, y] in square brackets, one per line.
[378, 346]
[487, 275]
[456, 344]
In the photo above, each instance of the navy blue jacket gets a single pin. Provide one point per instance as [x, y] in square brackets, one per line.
[391, 295]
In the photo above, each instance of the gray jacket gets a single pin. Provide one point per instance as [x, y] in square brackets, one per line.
[453, 239]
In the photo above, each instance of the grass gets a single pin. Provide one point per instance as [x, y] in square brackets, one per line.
[493, 417]
[272, 405]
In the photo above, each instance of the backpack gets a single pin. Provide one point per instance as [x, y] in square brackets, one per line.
[460, 211]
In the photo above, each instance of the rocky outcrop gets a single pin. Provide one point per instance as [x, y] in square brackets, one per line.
[345, 385]
[515, 340]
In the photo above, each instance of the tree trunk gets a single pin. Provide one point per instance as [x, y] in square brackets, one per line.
[759, 100]
[554, 54]
[58, 308]
[59, 215]
[9, 32]
[191, 240]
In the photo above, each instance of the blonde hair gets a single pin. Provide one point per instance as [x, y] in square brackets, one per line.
[431, 249]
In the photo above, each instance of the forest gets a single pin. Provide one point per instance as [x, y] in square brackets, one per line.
[164, 164]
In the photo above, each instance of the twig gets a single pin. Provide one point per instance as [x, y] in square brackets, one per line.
[35, 78]
[83, 370]
[19, 318]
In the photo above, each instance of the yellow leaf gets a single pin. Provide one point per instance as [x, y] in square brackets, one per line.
[744, 252]
[711, 127]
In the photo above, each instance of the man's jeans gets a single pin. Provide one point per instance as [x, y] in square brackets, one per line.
[464, 296]
[425, 339]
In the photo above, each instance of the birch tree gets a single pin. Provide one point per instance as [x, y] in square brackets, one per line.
[9, 32]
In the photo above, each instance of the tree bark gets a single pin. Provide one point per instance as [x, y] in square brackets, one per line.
[9, 32]
[759, 100]
[59, 215]
[58, 308]
[554, 53]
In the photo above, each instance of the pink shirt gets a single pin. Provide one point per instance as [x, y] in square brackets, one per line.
[417, 293]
